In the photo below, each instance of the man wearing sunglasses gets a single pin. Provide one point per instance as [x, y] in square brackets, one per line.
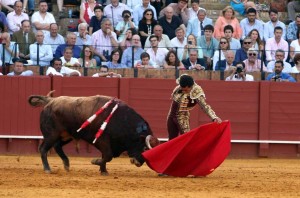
[241, 54]
[253, 64]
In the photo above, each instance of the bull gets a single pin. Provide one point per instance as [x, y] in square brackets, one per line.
[62, 116]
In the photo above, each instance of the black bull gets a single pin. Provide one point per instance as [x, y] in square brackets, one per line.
[62, 116]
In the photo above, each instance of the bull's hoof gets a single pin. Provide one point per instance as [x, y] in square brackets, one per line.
[135, 162]
[47, 171]
[67, 168]
[104, 173]
[96, 162]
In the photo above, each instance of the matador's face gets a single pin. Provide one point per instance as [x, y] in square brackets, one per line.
[186, 89]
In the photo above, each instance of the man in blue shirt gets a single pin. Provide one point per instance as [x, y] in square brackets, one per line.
[278, 76]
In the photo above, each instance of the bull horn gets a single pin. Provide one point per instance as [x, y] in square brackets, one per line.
[147, 141]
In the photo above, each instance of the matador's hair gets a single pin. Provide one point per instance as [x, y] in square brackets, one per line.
[185, 81]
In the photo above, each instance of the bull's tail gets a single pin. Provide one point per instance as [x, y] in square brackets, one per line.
[38, 101]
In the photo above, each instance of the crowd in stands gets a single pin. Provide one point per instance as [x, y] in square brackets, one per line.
[148, 34]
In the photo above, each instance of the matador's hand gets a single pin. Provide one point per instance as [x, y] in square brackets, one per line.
[218, 120]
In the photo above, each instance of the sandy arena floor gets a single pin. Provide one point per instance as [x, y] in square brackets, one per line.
[22, 176]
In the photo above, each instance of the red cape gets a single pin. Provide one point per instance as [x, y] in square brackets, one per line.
[198, 152]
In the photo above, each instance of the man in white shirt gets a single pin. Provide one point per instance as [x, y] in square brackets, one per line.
[279, 56]
[58, 70]
[53, 38]
[163, 39]
[114, 11]
[15, 18]
[274, 22]
[157, 54]
[238, 73]
[42, 19]
[68, 60]
[179, 42]
[19, 70]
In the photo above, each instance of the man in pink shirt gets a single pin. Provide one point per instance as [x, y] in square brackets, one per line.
[275, 43]
[253, 64]
[15, 18]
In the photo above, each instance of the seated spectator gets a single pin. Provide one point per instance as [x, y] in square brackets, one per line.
[15, 18]
[193, 11]
[241, 6]
[280, 56]
[208, 44]
[227, 63]
[191, 44]
[58, 70]
[54, 39]
[241, 54]
[68, 60]
[127, 40]
[250, 23]
[104, 41]
[44, 56]
[292, 29]
[295, 45]
[71, 40]
[196, 25]
[87, 11]
[42, 19]
[170, 22]
[86, 57]
[278, 75]
[296, 68]
[127, 58]
[11, 49]
[234, 43]
[25, 37]
[238, 73]
[145, 62]
[180, 9]
[273, 23]
[115, 62]
[139, 10]
[19, 70]
[179, 42]
[95, 23]
[257, 42]
[114, 11]
[220, 54]
[146, 25]
[172, 61]
[275, 43]
[124, 25]
[193, 62]
[105, 73]
[227, 18]
[253, 64]
[82, 36]
[157, 55]
[163, 39]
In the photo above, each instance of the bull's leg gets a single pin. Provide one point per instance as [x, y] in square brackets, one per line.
[44, 148]
[59, 150]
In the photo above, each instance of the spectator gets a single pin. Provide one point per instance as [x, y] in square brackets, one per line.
[58, 70]
[30, 4]
[295, 46]
[71, 40]
[11, 49]
[279, 55]
[180, 9]
[19, 70]
[238, 73]
[157, 4]
[241, 54]
[95, 23]
[157, 55]
[87, 11]
[105, 73]
[172, 61]
[54, 39]
[104, 41]
[257, 42]
[179, 42]
[146, 25]
[40, 53]
[251, 23]
[278, 75]
[145, 62]
[170, 22]
[275, 43]
[127, 58]
[234, 43]
[130, 3]
[227, 18]
[68, 60]
[296, 68]
[193, 11]
[274, 22]
[293, 29]
[7, 6]
[25, 37]
[15, 18]
[42, 19]
[124, 25]
[193, 62]
[115, 61]
[82, 36]
[253, 64]
[241, 6]
[208, 44]
[292, 8]
[86, 57]
[196, 25]
[126, 42]
[138, 11]
[191, 44]
[163, 39]
[220, 54]
[3, 21]
[114, 11]
[227, 63]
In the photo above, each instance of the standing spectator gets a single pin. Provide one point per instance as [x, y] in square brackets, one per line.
[146, 25]
[87, 11]
[227, 18]
[138, 11]
[86, 56]
[104, 41]
[251, 23]
[275, 43]
[241, 54]
[180, 10]
[19, 70]
[163, 39]
[193, 62]
[42, 19]
[58, 70]
[172, 61]
[157, 54]
[114, 11]
[15, 18]
[124, 25]
[234, 43]
[238, 73]
[295, 45]
[292, 8]
[71, 40]
[54, 39]
[241, 6]
[25, 37]
[196, 25]
[170, 22]
[11, 49]
[115, 61]
[68, 60]
[179, 42]
[82, 36]
[291, 33]
[95, 23]
[227, 63]
[279, 75]
[273, 23]
[40, 51]
[279, 56]
[220, 54]
[253, 64]
[127, 59]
